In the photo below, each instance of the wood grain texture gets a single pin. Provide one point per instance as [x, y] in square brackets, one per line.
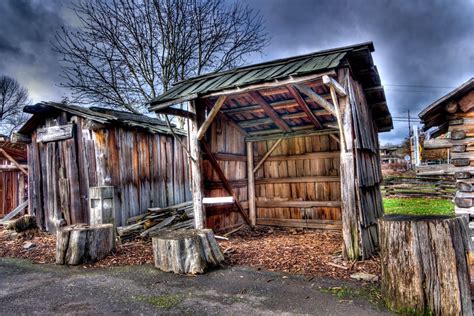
[425, 265]
[147, 170]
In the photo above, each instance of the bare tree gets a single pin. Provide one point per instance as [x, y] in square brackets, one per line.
[13, 97]
[126, 52]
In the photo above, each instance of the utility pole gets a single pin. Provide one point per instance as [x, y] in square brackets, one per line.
[409, 140]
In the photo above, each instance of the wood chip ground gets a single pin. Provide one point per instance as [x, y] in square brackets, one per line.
[307, 252]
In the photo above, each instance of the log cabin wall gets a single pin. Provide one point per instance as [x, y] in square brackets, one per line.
[146, 169]
[453, 119]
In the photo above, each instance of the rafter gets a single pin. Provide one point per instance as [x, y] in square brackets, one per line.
[304, 106]
[277, 105]
[269, 111]
[316, 98]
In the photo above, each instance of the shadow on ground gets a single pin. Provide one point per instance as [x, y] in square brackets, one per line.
[28, 288]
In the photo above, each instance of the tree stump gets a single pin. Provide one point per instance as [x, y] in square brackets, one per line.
[186, 251]
[425, 264]
[82, 243]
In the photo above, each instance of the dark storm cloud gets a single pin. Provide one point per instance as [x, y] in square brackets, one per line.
[416, 42]
[26, 30]
[428, 43]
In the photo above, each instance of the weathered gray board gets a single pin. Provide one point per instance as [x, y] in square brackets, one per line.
[53, 133]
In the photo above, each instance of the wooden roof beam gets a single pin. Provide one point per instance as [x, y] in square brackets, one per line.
[316, 98]
[269, 111]
[211, 116]
[13, 161]
[304, 106]
[290, 116]
[305, 132]
[225, 118]
[177, 112]
[330, 82]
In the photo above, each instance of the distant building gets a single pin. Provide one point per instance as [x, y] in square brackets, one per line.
[392, 158]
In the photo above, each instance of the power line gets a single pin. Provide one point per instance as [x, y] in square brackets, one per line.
[418, 86]
[413, 91]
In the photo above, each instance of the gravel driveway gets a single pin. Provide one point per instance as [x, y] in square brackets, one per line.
[29, 288]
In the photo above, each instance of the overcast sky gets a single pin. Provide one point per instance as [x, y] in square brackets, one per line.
[418, 44]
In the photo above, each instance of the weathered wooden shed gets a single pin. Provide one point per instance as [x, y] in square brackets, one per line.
[12, 175]
[450, 123]
[73, 148]
[293, 141]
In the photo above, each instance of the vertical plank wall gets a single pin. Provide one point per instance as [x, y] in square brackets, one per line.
[9, 191]
[302, 169]
[147, 170]
[228, 145]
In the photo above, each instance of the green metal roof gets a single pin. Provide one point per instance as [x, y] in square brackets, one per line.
[257, 73]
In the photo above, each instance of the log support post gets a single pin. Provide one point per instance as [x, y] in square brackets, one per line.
[251, 185]
[195, 162]
[349, 206]
[425, 268]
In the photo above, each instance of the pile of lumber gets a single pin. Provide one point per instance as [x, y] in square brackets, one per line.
[179, 216]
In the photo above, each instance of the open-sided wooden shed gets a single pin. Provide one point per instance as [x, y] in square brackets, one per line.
[72, 148]
[293, 141]
[12, 175]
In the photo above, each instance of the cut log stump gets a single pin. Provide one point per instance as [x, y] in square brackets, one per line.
[189, 251]
[77, 244]
[425, 267]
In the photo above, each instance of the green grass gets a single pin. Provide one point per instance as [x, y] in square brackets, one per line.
[418, 206]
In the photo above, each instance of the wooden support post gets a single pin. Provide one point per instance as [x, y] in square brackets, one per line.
[267, 154]
[196, 176]
[335, 138]
[225, 182]
[212, 114]
[13, 161]
[21, 188]
[333, 85]
[251, 184]
[349, 210]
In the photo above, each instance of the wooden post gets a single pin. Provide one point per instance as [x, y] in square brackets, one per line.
[349, 210]
[251, 185]
[195, 162]
[21, 188]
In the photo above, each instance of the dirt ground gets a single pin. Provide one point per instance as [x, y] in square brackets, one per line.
[27, 288]
[306, 252]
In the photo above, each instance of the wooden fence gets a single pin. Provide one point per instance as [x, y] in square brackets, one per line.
[440, 187]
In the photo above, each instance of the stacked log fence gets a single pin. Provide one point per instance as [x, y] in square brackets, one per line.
[437, 187]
